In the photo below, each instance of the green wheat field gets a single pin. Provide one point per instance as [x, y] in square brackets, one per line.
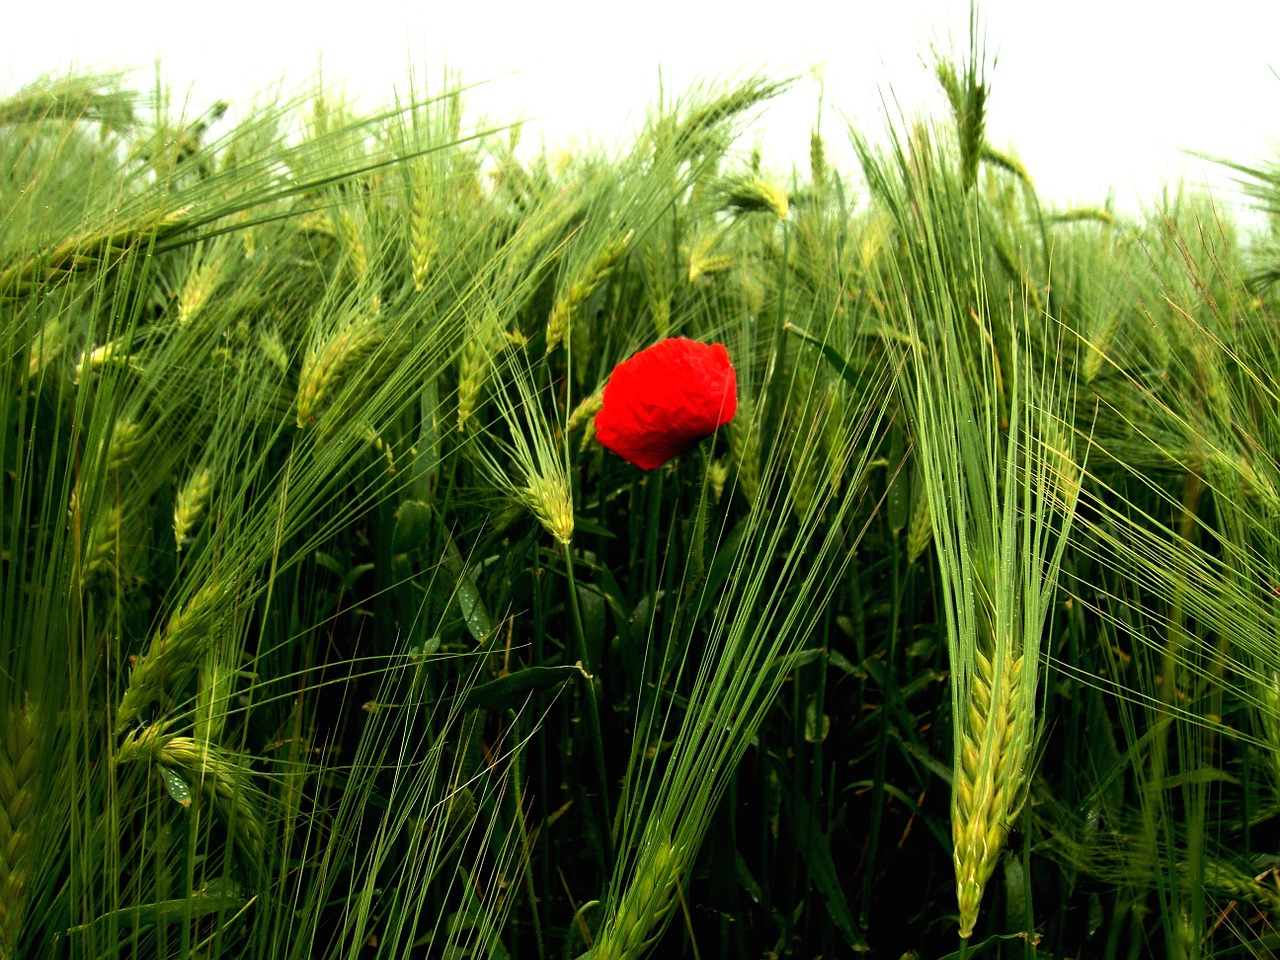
[328, 628]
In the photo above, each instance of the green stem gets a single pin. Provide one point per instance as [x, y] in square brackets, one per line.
[593, 714]
[526, 846]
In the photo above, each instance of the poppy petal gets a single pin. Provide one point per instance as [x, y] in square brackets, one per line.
[665, 399]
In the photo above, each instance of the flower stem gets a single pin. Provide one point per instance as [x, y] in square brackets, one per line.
[593, 715]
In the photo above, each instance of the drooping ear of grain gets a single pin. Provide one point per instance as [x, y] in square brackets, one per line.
[330, 361]
[219, 775]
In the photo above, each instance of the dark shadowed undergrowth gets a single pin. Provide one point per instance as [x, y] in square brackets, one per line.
[327, 628]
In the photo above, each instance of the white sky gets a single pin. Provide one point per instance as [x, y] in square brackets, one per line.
[1093, 95]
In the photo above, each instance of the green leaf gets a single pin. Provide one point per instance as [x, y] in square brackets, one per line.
[816, 852]
[178, 788]
[509, 692]
[413, 521]
[469, 603]
[848, 373]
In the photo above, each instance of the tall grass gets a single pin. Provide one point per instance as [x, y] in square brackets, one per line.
[329, 630]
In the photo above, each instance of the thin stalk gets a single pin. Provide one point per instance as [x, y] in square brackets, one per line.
[593, 714]
[526, 872]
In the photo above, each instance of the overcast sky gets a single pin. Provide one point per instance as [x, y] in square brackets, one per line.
[1093, 95]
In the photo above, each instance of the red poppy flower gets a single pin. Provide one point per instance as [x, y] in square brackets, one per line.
[665, 399]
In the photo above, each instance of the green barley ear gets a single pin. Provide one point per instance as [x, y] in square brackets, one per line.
[529, 464]
[271, 345]
[204, 277]
[220, 776]
[817, 161]
[549, 499]
[702, 130]
[583, 417]
[424, 219]
[585, 411]
[112, 353]
[177, 650]
[46, 346]
[349, 225]
[920, 526]
[190, 505]
[1232, 883]
[98, 248]
[1062, 474]
[18, 812]
[744, 449]
[475, 365]
[990, 772]
[214, 692]
[658, 286]
[644, 906]
[967, 94]
[103, 555]
[328, 363]
[583, 286]
[756, 194]
[127, 438]
[703, 261]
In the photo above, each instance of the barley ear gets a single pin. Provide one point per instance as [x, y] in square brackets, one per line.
[920, 527]
[328, 363]
[190, 505]
[127, 437]
[755, 194]
[643, 907]
[582, 288]
[989, 775]
[18, 811]
[817, 160]
[744, 449]
[702, 261]
[175, 652]
[423, 212]
[45, 347]
[549, 499]
[219, 775]
[205, 277]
